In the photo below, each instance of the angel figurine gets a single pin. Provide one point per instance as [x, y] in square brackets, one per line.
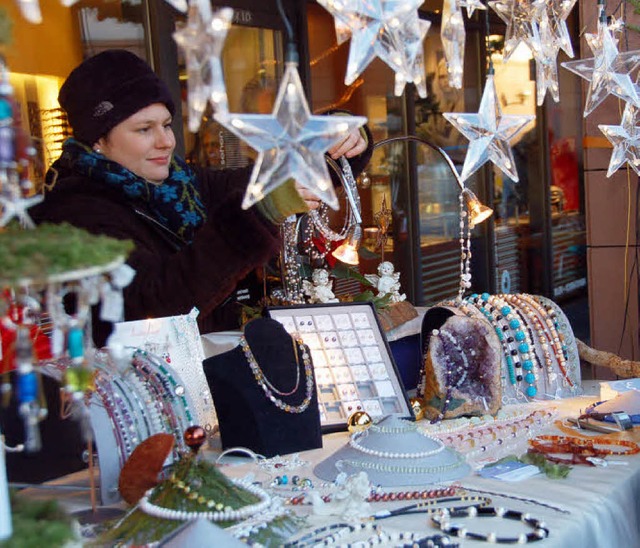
[319, 290]
[387, 282]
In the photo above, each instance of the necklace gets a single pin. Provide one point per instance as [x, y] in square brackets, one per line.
[354, 442]
[226, 514]
[269, 389]
[441, 520]
[392, 469]
[582, 446]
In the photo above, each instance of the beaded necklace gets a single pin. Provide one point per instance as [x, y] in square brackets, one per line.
[354, 442]
[269, 389]
[396, 469]
[442, 521]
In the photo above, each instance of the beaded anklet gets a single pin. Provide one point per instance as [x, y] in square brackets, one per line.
[540, 530]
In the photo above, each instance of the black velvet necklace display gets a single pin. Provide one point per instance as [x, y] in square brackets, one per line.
[246, 415]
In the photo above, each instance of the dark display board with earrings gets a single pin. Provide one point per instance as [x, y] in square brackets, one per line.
[353, 364]
[264, 392]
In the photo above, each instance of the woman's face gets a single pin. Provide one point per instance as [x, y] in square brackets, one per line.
[143, 143]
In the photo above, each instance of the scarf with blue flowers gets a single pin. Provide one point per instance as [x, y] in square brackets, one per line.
[175, 203]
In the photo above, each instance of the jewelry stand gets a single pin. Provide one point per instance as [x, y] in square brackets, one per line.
[246, 415]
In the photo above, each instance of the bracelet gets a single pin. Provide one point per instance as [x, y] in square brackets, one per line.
[582, 446]
[441, 520]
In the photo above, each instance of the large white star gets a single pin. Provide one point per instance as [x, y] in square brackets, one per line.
[202, 39]
[608, 71]
[291, 142]
[387, 29]
[625, 139]
[557, 12]
[489, 132]
[409, 63]
[546, 62]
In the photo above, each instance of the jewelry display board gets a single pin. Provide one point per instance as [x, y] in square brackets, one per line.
[176, 339]
[352, 362]
[136, 396]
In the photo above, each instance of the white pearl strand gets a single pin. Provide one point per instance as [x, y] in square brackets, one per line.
[223, 515]
[353, 442]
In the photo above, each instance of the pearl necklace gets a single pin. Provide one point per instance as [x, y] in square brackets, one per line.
[227, 514]
[354, 442]
[269, 389]
[379, 467]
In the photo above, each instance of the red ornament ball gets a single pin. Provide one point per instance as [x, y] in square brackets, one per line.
[194, 437]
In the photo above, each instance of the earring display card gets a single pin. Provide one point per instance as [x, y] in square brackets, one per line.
[352, 362]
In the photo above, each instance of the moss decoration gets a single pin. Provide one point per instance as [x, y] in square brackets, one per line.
[38, 523]
[52, 249]
[138, 528]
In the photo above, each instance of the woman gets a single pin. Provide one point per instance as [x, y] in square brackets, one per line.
[119, 177]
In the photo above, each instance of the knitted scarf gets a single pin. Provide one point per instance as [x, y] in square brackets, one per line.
[175, 203]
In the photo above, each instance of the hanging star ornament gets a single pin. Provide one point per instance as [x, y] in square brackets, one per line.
[387, 29]
[546, 59]
[625, 139]
[556, 12]
[472, 5]
[521, 17]
[453, 38]
[489, 133]
[202, 38]
[609, 71]
[291, 142]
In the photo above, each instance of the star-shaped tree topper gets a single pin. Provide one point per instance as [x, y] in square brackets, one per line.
[625, 139]
[387, 29]
[202, 39]
[291, 142]
[609, 71]
[489, 133]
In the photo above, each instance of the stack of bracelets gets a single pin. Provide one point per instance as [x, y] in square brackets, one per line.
[539, 356]
[589, 451]
[148, 398]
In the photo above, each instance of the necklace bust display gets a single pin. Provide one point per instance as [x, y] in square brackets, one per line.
[264, 392]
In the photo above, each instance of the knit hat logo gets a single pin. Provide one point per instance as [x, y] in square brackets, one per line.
[102, 108]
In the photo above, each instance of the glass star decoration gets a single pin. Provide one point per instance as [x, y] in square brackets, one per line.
[453, 38]
[387, 29]
[202, 38]
[609, 71]
[625, 139]
[556, 12]
[489, 133]
[291, 142]
[472, 5]
[521, 18]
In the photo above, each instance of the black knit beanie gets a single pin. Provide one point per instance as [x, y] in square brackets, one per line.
[108, 88]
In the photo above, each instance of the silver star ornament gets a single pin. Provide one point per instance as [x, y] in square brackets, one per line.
[489, 133]
[609, 71]
[291, 142]
[202, 39]
[388, 29]
[625, 139]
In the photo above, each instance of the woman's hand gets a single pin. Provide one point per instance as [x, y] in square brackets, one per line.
[312, 201]
[352, 145]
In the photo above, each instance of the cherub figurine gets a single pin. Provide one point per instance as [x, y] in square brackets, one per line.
[349, 501]
[387, 282]
[319, 290]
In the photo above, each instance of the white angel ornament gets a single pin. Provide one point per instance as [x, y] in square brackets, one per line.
[387, 282]
[319, 290]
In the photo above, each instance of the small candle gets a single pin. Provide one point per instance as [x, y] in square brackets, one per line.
[5, 510]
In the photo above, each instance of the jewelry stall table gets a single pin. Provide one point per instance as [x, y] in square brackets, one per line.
[594, 507]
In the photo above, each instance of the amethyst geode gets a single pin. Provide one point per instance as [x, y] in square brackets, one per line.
[462, 369]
